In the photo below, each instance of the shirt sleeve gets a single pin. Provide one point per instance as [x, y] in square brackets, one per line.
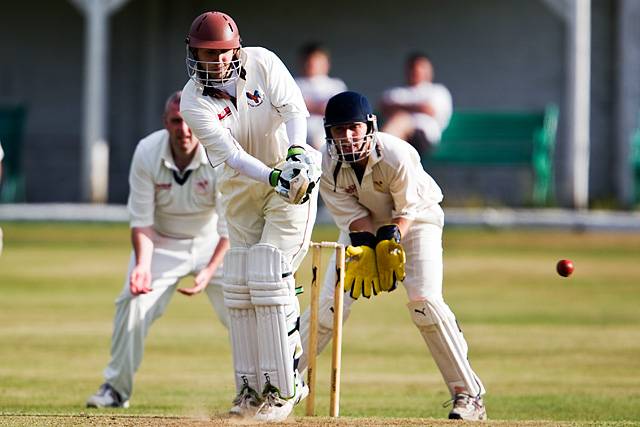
[141, 191]
[344, 207]
[444, 104]
[405, 187]
[284, 93]
[389, 96]
[201, 118]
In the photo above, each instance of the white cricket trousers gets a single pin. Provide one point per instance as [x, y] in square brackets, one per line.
[172, 260]
[256, 214]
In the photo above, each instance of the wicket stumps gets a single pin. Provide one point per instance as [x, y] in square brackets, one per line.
[336, 354]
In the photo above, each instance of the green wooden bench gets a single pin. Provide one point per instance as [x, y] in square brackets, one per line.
[496, 138]
[11, 129]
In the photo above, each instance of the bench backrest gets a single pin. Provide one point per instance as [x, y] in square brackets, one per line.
[11, 130]
[482, 137]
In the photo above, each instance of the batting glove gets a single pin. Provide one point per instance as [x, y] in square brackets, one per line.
[390, 257]
[361, 271]
[309, 156]
[298, 177]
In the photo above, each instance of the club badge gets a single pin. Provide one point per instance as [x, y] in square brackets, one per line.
[254, 99]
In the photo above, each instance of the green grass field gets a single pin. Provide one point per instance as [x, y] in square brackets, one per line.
[549, 349]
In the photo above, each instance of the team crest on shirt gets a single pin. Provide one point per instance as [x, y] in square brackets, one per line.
[254, 99]
[202, 186]
[225, 113]
[351, 189]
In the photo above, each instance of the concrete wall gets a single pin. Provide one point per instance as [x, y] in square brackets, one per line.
[492, 54]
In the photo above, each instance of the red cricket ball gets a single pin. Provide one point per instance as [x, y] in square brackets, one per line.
[565, 267]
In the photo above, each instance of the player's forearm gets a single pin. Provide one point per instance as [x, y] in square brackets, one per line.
[218, 254]
[424, 108]
[249, 166]
[403, 224]
[297, 130]
[362, 224]
[316, 107]
[142, 242]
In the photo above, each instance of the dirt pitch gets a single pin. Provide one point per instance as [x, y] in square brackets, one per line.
[144, 421]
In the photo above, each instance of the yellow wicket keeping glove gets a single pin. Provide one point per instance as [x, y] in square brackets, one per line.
[361, 272]
[390, 257]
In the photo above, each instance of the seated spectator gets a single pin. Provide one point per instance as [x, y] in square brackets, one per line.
[317, 87]
[420, 111]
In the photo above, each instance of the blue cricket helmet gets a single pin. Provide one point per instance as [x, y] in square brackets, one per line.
[343, 109]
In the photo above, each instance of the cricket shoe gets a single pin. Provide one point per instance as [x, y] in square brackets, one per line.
[468, 408]
[246, 403]
[275, 409]
[107, 397]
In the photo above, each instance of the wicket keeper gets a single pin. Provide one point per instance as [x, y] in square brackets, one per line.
[387, 209]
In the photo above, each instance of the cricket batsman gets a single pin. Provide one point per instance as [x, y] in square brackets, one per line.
[245, 108]
[387, 209]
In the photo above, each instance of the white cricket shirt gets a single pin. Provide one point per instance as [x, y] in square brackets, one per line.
[266, 95]
[425, 93]
[176, 205]
[394, 185]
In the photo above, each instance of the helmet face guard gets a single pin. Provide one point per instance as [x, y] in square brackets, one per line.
[219, 73]
[347, 108]
[213, 30]
[349, 150]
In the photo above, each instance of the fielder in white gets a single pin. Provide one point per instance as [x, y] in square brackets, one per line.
[177, 229]
[248, 113]
[387, 209]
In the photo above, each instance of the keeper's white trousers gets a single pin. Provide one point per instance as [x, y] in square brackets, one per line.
[423, 282]
[423, 247]
[172, 260]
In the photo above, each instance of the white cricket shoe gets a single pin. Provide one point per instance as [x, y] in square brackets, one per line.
[468, 408]
[246, 403]
[107, 397]
[275, 409]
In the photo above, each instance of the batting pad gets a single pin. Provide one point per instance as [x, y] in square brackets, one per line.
[447, 345]
[242, 318]
[273, 293]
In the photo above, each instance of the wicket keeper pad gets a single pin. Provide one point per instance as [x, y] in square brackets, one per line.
[242, 318]
[447, 345]
[272, 290]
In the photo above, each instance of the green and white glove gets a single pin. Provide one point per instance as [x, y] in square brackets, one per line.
[361, 271]
[390, 257]
[299, 175]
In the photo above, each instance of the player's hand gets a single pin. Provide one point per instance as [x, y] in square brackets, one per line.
[308, 155]
[140, 280]
[199, 283]
[361, 272]
[299, 175]
[390, 257]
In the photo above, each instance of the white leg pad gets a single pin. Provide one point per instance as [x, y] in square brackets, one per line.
[243, 328]
[273, 293]
[447, 345]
